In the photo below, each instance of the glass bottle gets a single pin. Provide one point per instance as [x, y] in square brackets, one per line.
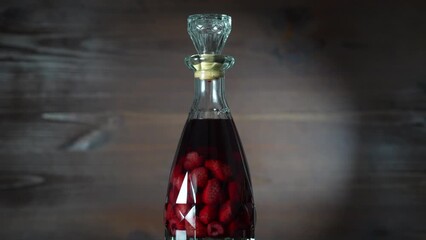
[209, 194]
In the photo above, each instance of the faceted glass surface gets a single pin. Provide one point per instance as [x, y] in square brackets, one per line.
[209, 32]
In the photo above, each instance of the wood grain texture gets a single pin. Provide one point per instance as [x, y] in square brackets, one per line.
[329, 98]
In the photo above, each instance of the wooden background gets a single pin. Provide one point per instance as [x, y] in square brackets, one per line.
[329, 98]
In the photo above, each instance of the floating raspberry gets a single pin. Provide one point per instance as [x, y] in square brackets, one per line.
[192, 160]
[169, 213]
[220, 170]
[200, 176]
[227, 212]
[215, 229]
[234, 191]
[208, 214]
[177, 169]
[177, 176]
[213, 192]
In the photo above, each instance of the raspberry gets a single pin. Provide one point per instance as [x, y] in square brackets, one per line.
[213, 192]
[174, 224]
[220, 170]
[192, 160]
[234, 191]
[215, 229]
[208, 214]
[173, 193]
[177, 169]
[177, 177]
[199, 176]
[169, 213]
[199, 231]
[227, 212]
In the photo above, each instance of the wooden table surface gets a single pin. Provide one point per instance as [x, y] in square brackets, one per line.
[329, 98]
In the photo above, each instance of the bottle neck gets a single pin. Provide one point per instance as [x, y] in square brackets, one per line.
[209, 100]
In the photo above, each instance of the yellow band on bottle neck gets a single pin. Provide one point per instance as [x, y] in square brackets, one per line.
[208, 69]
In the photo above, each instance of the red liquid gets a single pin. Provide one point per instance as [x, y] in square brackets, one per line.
[209, 193]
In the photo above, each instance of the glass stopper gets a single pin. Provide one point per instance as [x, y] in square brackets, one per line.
[209, 32]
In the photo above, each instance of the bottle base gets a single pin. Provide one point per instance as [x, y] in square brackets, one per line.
[207, 238]
[181, 235]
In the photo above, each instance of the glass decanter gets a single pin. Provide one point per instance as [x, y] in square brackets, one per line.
[209, 194]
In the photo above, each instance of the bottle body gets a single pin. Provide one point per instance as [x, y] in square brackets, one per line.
[209, 194]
